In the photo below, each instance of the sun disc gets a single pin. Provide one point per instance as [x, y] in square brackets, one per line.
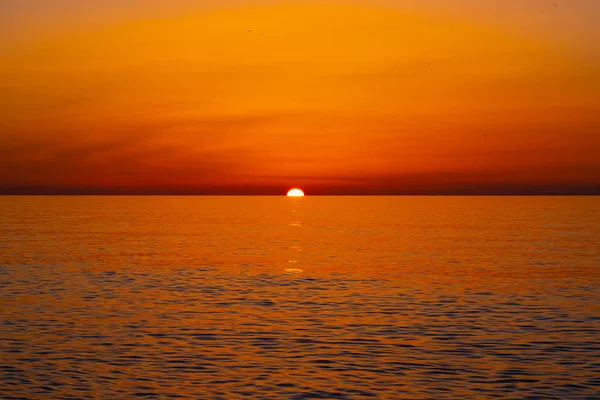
[295, 193]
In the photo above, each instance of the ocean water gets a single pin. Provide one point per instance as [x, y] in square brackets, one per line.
[315, 297]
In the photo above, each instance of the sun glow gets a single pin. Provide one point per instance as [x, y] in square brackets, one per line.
[295, 193]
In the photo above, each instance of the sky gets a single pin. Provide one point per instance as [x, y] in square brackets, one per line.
[335, 97]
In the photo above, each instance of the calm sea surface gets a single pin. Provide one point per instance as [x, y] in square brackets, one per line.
[282, 298]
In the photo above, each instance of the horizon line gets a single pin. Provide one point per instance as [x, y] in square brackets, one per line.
[593, 194]
[309, 190]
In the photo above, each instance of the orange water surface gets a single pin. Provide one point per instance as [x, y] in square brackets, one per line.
[299, 298]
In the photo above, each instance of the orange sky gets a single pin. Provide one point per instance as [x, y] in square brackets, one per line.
[253, 97]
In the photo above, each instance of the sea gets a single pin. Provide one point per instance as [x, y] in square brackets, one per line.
[299, 298]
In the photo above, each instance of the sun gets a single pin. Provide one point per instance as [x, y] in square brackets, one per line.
[295, 193]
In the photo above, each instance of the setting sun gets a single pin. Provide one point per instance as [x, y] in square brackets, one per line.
[295, 193]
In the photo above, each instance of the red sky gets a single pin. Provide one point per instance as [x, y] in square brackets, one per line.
[250, 97]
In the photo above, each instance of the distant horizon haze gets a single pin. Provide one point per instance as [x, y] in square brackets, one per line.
[590, 190]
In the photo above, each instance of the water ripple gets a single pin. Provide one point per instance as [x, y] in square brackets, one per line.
[145, 308]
